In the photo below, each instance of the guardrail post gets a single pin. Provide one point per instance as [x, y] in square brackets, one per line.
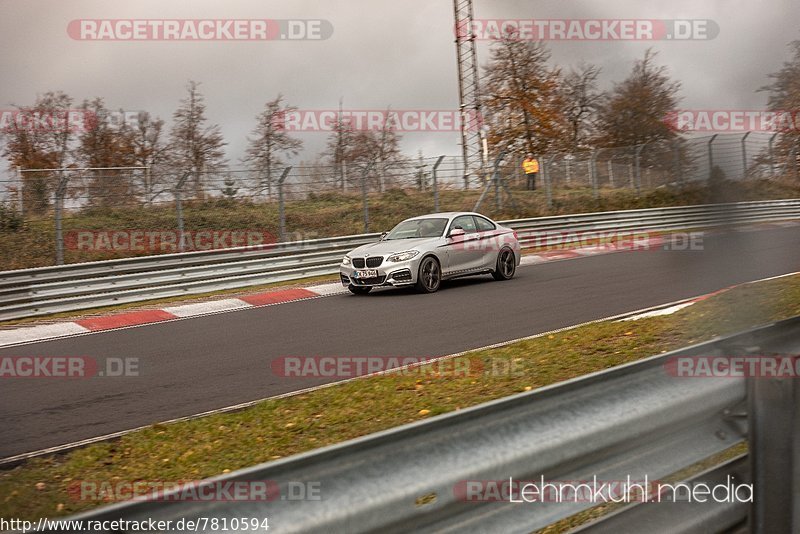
[282, 206]
[59, 211]
[711, 155]
[772, 155]
[178, 192]
[774, 447]
[744, 154]
[436, 184]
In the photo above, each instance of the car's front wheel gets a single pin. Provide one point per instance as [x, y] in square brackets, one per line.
[356, 290]
[506, 265]
[429, 277]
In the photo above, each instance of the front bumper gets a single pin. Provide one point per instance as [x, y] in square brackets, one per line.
[402, 273]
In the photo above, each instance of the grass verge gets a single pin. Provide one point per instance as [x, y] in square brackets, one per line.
[277, 428]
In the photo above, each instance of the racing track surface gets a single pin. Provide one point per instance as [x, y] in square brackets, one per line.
[203, 363]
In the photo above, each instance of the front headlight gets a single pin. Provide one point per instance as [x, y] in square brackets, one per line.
[346, 260]
[402, 256]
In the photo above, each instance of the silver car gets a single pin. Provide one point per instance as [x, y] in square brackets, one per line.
[423, 251]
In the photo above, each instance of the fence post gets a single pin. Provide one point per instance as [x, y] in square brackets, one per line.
[59, 211]
[436, 184]
[567, 169]
[676, 161]
[772, 156]
[593, 167]
[548, 185]
[610, 166]
[281, 205]
[20, 191]
[639, 149]
[365, 198]
[744, 155]
[711, 155]
[178, 192]
[793, 158]
[148, 186]
[774, 449]
[494, 180]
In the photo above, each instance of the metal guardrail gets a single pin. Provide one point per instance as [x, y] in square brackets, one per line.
[634, 420]
[45, 290]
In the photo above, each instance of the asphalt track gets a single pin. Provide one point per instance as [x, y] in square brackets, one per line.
[199, 364]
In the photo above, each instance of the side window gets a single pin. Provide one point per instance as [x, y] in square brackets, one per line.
[466, 222]
[484, 225]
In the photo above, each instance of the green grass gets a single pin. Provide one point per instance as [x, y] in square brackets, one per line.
[278, 428]
[331, 214]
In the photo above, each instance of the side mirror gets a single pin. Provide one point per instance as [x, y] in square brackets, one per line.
[455, 232]
[383, 235]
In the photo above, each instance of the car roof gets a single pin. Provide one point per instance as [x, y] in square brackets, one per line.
[447, 214]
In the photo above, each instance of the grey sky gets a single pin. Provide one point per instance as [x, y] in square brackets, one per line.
[382, 53]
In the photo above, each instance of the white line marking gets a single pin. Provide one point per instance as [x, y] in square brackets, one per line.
[324, 290]
[36, 333]
[201, 308]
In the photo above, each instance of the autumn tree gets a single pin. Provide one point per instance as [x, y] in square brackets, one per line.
[522, 103]
[41, 145]
[377, 150]
[103, 146]
[270, 142]
[784, 98]
[636, 110]
[195, 146]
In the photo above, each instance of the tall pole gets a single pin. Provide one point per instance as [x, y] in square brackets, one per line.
[468, 91]
[744, 155]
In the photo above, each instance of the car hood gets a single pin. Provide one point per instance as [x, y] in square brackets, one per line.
[384, 248]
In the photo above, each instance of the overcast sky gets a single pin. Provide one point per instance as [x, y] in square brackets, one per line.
[382, 53]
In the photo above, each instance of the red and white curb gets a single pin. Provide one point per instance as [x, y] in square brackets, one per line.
[182, 311]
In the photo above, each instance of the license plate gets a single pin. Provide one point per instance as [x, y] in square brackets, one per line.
[371, 273]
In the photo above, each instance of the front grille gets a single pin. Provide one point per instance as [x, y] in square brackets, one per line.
[378, 280]
[372, 262]
[345, 280]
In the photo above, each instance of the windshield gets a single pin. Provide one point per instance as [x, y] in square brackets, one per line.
[433, 227]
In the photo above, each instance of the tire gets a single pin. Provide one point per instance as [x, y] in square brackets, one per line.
[506, 265]
[429, 276]
[356, 290]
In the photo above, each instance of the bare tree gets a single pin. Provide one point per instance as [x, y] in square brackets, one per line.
[150, 150]
[270, 141]
[195, 147]
[581, 99]
[339, 148]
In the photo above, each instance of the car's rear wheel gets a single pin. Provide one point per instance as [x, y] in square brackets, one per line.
[506, 265]
[356, 290]
[429, 277]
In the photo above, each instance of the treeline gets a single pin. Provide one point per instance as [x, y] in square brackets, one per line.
[529, 105]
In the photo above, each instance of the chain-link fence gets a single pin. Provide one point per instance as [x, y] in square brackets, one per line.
[68, 215]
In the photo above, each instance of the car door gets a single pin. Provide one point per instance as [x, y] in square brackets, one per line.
[464, 252]
[490, 243]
